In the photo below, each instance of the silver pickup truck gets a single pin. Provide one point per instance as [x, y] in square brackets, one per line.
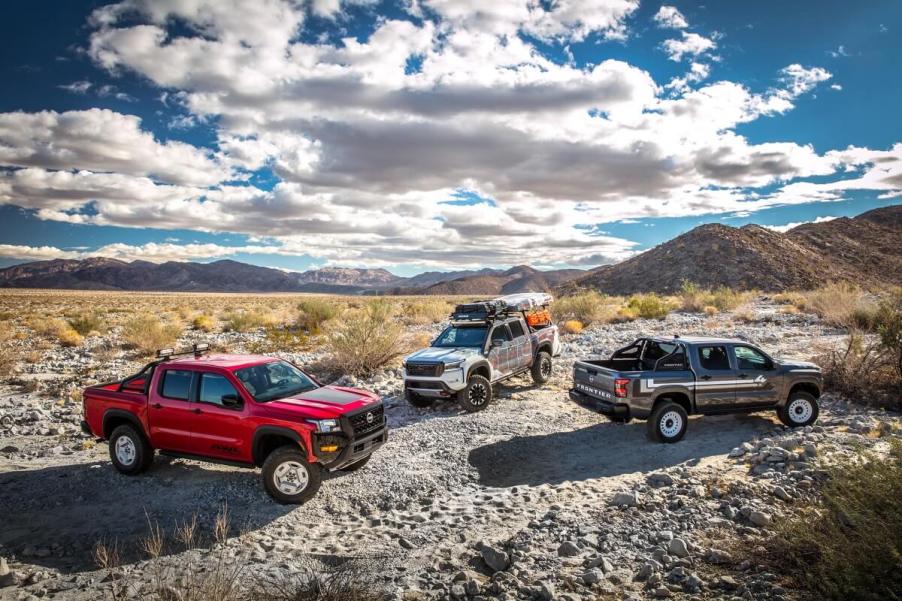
[485, 343]
[664, 380]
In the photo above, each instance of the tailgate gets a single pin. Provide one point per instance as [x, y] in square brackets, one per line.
[594, 380]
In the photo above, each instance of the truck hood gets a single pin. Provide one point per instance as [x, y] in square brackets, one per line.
[793, 364]
[324, 402]
[442, 355]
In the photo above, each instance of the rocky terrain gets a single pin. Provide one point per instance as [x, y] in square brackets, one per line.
[863, 250]
[534, 498]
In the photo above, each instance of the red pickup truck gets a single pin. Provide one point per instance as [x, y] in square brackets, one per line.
[243, 410]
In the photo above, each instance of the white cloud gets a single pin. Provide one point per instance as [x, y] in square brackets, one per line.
[77, 87]
[788, 226]
[367, 151]
[670, 17]
[690, 44]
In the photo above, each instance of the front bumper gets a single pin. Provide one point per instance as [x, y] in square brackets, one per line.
[353, 450]
[603, 406]
[434, 388]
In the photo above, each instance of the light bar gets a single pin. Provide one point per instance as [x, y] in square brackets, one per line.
[165, 352]
[201, 347]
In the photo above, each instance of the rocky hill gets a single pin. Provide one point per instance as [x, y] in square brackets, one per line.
[517, 279]
[865, 249]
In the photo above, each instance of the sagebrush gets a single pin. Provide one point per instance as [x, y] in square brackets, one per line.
[366, 339]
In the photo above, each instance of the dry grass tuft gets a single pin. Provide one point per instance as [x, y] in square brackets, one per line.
[366, 339]
[839, 304]
[710, 310]
[572, 326]
[849, 545]
[147, 333]
[648, 306]
[425, 311]
[695, 299]
[587, 307]
[8, 356]
[315, 312]
[247, 320]
[86, 322]
[203, 323]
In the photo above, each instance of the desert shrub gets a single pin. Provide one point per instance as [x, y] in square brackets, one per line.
[864, 371]
[7, 355]
[789, 298]
[352, 579]
[572, 326]
[789, 309]
[203, 323]
[281, 338]
[695, 299]
[839, 304]
[363, 340]
[692, 297]
[315, 312]
[888, 325]
[648, 306]
[587, 307]
[86, 322]
[849, 545]
[727, 299]
[710, 310]
[69, 337]
[147, 333]
[426, 310]
[246, 320]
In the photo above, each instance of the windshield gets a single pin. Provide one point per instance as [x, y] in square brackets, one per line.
[455, 336]
[275, 380]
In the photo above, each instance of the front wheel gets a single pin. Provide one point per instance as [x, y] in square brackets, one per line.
[541, 368]
[288, 477]
[800, 410]
[667, 423]
[477, 395]
[417, 400]
[129, 450]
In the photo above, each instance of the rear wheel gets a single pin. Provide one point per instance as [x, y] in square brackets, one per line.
[541, 368]
[800, 410]
[129, 450]
[288, 477]
[417, 400]
[667, 423]
[477, 395]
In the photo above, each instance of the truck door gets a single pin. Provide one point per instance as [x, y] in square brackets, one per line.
[219, 427]
[757, 382]
[170, 411]
[714, 377]
[522, 346]
[500, 350]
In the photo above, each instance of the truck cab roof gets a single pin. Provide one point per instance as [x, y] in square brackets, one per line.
[699, 339]
[229, 362]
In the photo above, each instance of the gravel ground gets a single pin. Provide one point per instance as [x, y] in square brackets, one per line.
[533, 498]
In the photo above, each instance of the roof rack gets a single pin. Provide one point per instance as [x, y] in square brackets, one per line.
[197, 350]
[487, 310]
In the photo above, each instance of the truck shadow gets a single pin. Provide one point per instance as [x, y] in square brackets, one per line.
[606, 450]
[56, 516]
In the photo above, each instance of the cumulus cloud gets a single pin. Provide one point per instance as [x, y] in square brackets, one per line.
[788, 226]
[369, 137]
[670, 17]
[690, 44]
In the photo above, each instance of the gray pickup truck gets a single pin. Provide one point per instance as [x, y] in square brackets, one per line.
[664, 380]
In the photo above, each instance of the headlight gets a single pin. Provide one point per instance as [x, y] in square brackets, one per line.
[324, 426]
[455, 365]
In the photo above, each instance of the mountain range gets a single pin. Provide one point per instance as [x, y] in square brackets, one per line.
[866, 249]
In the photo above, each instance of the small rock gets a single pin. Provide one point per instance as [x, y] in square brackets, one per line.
[661, 592]
[659, 480]
[546, 591]
[628, 498]
[678, 547]
[760, 519]
[719, 556]
[568, 549]
[593, 576]
[496, 559]
[781, 493]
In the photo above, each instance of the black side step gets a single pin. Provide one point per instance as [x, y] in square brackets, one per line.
[178, 455]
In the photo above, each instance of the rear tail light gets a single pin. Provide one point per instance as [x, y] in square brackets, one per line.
[621, 387]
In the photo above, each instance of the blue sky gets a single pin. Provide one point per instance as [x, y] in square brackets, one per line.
[421, 135]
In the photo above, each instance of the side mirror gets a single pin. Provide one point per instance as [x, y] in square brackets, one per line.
[230, 400]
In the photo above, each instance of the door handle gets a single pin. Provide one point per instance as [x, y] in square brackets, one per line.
[742, 376]
[157, 406]
[706, 377]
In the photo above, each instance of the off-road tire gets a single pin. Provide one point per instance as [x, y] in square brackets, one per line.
[541, 368]
[289, 456]
[417, 400]
[477, 395]
[801, 409]
[130, 452]
[667, 423]
[356, 466]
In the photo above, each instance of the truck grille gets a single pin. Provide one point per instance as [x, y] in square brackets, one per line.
[425, 370]
[363, 425]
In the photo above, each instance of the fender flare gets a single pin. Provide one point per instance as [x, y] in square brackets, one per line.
[477, 365]
[263, 431]
[123, 414]
[545, 346]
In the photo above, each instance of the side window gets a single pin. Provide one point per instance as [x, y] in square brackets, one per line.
[749, 358]
[501, 333]
[177, 384]
[213, 387]
[713, 357]
[516, 329]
